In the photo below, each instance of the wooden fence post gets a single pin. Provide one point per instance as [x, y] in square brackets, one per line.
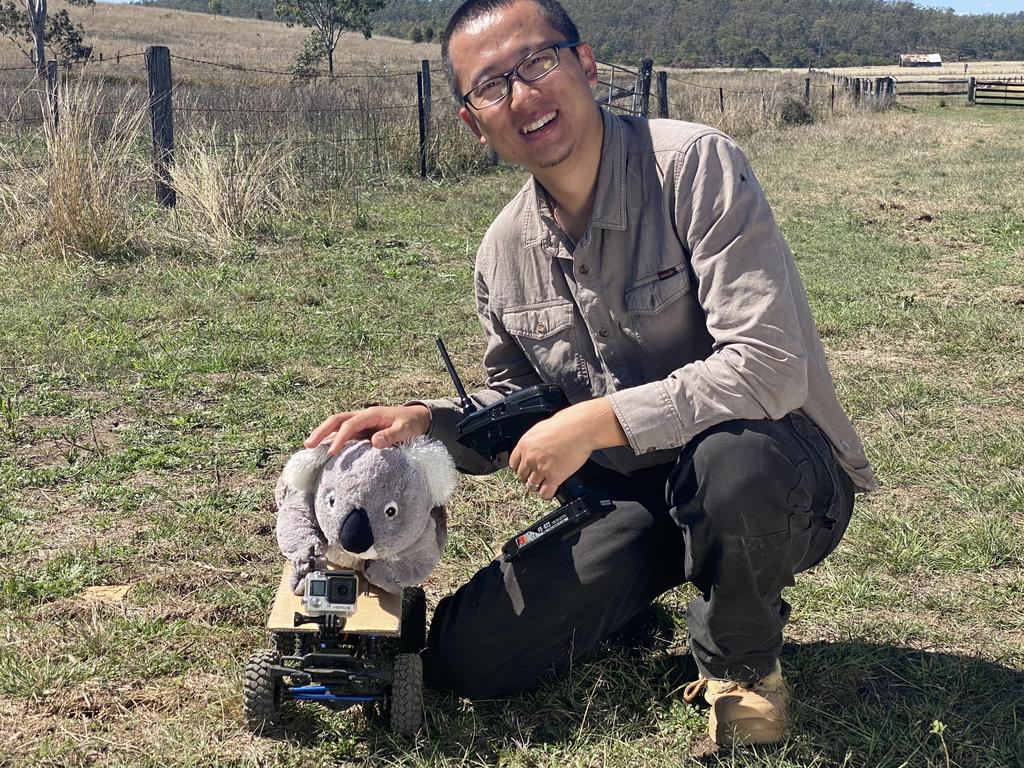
[422, 125]
[890, 91]
[646, 65]
[663, 94]
[51, 91]
[721, 100]
[425, 68]
[807, 91]
[971, 85]
[161, 113]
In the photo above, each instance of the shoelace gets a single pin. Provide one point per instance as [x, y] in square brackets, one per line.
[694, 689]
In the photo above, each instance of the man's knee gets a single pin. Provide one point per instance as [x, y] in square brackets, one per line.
[738, 474]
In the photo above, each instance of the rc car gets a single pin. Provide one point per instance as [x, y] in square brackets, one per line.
[342, 643]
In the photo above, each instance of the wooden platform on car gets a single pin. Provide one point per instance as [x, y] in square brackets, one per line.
[377, 611]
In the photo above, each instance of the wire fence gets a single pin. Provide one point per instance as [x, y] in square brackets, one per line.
[352, 125]
[379, 123]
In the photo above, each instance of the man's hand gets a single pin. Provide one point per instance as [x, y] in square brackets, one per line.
[553, 449]
[383, 425]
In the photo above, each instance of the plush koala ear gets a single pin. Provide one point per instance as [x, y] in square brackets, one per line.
[436, 464]
[304, 467]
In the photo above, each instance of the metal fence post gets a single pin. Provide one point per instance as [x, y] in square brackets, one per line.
[161, 113]
[422, 125]
[425, 68]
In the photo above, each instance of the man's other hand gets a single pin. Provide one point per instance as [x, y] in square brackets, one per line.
[382, 425]
[553, 449]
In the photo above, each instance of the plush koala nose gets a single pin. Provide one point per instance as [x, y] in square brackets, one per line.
[356, 536]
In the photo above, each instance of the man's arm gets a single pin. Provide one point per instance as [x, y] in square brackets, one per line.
[747, 284]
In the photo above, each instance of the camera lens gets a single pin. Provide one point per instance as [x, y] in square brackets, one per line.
[341, 589]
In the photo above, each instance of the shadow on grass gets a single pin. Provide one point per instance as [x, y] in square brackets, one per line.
[854, 704]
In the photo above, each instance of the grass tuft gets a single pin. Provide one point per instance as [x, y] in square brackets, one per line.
[228, 192]
[81, 201]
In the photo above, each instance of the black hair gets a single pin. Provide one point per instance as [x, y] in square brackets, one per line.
[551, 10]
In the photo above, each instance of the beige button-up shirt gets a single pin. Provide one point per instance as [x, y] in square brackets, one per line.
[681, 302]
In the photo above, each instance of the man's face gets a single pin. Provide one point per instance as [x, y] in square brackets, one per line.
[540, 124]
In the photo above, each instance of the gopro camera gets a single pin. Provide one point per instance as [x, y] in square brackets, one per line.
[331, 592]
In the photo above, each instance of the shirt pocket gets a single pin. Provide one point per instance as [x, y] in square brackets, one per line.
[548, 335]
[651, 294]
[660, 323]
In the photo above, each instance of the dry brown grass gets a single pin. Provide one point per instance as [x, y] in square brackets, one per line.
[80, 200]
[743, 102]
[112, 28]
[948, 69]
[228, 191]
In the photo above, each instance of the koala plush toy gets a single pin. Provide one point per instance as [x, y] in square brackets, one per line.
[379, 511]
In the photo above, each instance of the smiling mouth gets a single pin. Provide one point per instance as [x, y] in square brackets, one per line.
[538, 124]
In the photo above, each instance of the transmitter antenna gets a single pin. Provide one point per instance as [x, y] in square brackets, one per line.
[467, 404]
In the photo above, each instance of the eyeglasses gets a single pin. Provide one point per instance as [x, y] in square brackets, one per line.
[533, 67]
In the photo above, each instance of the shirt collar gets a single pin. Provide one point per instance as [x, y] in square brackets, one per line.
[609, 202]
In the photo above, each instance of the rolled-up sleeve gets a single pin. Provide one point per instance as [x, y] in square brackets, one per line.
[744, 277]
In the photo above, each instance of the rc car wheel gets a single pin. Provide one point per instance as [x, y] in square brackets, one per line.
[406, 711]
[414, 620]
[261, 692]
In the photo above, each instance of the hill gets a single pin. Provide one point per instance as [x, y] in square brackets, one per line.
[781, 33]
[748, 33]
[111, 28]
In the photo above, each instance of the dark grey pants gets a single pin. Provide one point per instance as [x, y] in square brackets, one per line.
[746, 506]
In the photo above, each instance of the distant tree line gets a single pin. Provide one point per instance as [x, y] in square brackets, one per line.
[751, 33]
[758, 33]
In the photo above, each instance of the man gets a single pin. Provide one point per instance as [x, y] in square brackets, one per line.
[639, 268]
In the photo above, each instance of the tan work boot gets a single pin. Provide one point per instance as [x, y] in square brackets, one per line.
[742, 713]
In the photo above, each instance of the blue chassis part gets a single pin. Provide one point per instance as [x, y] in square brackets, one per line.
[320, 693]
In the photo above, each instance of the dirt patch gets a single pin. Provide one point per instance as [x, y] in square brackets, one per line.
[98, 700]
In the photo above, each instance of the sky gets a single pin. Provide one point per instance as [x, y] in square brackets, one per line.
[978, 6]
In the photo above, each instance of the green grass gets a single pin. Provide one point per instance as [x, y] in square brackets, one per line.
[147, 406]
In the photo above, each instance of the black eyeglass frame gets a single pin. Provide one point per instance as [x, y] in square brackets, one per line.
[515, 72]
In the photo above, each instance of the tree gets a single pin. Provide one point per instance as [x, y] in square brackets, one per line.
[307, 63]
[215, 7]
[33, 31]
[332, 18]
[755, 57]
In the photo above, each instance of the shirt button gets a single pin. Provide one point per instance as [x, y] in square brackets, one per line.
[603, 333]
[541, 328]
[583, 269]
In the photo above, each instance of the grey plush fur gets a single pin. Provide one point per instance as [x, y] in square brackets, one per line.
[380, 511]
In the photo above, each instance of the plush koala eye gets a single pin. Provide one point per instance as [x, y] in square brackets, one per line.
[330, 499]
[391, 509]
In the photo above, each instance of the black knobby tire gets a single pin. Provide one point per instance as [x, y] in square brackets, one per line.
[406, 700]
[414, 620]
[261, 692]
